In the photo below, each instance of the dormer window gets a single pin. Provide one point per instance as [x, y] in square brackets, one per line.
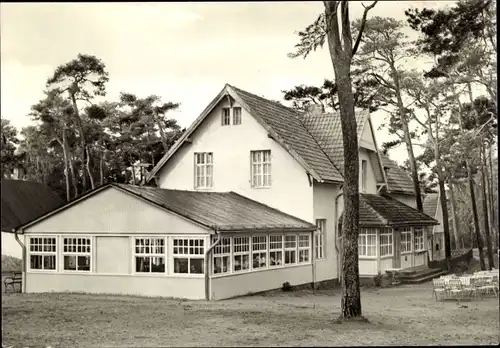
[226, 116]
[236, 116]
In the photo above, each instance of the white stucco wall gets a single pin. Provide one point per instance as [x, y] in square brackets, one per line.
[242, 284]
[368, 267]
[371, 181]
[366, 139]
[10, 246]
[290, 191]
[324, 208]
[113, 211]
[177, 287]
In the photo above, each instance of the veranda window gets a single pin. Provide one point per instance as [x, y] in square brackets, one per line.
[241, 253]
[149, 255]
[222, 255]
[290, 249]
[77, 254]
[275, 250]
[304, 247]
[188, 255]
[259, 251]
[385, 242]
[406, 240]
[367, 242]
[43, 253]
[419, 238]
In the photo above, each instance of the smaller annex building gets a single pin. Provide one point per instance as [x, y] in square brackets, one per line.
[136, 240]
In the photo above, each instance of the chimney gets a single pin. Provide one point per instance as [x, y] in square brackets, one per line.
[315, 109]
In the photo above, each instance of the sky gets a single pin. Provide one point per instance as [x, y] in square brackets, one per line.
[182, 52]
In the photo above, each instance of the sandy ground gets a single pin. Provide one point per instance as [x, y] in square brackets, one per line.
[406, 315]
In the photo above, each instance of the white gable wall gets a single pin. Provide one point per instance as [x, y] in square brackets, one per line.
[113, 211]
[371, 180]
[290, 191]
[366, 139]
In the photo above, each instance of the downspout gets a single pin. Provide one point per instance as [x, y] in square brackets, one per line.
[340, 194]
[207, 264]
[23, 247]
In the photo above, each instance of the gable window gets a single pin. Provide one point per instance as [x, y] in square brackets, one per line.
[259, 251]
[43, 253]
[236, 116]
[385, 242]
[226, 116]
[188, 255]
[367, 242]
[406, 240]
[149, 255]
[304, 246]
[241, 253]
[77, 254]
[290, 249]
[418, 238]
[319, 240]
[204, 170]
[222, 256]
[363, 175]
[261, 168]
[275, 250]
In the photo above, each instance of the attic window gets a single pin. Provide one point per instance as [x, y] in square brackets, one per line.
[386, 169]
[226, 116]
[236, 116]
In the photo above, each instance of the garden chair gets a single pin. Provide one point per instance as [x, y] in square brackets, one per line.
[469, 287]
[454, 288]
[438, 288]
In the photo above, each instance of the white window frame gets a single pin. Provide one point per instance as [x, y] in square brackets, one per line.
[319, 238]
[406, 241]
[180, 254]
[154, 253]
[226, 118]
[236, 115]
[241, 248]
[260, 168]
[221, 252]
[418, 239]
[85, 251]
[274, 240]
[203, 163]
[364, 166]
[41, 251]
[304, 247]
[364, 248]
[386, 248]
[258, 241]
[291, 248]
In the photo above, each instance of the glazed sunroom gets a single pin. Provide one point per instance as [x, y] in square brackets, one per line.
[392, 235]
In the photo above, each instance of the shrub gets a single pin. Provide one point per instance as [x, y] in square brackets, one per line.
[286, 287]
[378, 280]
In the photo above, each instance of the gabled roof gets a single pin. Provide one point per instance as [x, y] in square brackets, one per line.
[23, 201]
[327, 130]
[430, 205]
[228, 211]
[281, 123]
[397, 179]
[385, 211]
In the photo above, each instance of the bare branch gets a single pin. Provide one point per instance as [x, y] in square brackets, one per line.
[362, 27]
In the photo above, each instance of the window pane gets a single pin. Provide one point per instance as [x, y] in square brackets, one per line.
[158, 264]
[221, 264]
[290, 256]
[70, 262]
[83, 263]
[36, 262]
[304, 255]
[259, 260]
[196, 266]
[181, 265]
[275, 258]
[49, 262]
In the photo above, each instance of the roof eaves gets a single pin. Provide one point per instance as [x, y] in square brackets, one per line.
[385, 221]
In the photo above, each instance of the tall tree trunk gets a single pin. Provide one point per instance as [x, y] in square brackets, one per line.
[64, 145]
[133, 174]
[491, 263]
[458, 243]
[73, 90]
[407, 139]
[492, 195]
[101, 169]
[73, 177]
[470, 181]
[87, 166]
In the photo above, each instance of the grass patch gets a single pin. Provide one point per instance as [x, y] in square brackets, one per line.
[406, 315]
